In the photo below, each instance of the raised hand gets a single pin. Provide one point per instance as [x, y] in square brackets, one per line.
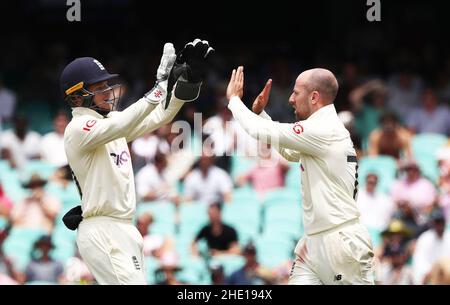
[236, 84]
[262, 99]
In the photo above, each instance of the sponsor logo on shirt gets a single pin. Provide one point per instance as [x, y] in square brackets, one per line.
[89, 124]
[298, 129]
[120, 159]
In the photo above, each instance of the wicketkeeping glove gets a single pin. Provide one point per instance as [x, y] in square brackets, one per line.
[189, 70]
[196, 55]
[160, 91]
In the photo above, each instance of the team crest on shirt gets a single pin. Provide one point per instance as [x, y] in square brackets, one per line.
[298, 128]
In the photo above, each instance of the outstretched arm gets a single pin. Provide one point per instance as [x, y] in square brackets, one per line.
[299, 137]
[88, 132]
[185, 79]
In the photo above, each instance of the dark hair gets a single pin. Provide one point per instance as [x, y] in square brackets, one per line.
[389, 116]
[217, 205]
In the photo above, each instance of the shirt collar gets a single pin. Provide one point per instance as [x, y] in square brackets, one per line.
[323, 111]
[79, 111]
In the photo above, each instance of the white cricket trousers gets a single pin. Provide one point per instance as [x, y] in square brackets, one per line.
[112, 250]
[339, 256]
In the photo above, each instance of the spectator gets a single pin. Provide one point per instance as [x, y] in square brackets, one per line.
[6, 204]
[208, 183]
[348, 81]
[169, 267]
[22, 144]
[76, 272]
[37, 211]
[62, 177]
[444, 181]
[368, 104]
[152, 183]
[415, 189]
[217, 275]
[396, 236]
[431, 246]
[252, 273]
[431, 117]
[146, 147]
[221, 238]
[268, 174]
[409, 217]
[348, 120]
[53, 142]
[376, 208]
[221, 133]
[440, 272]
[404, 93]
[42, 267]
[154, 244]
[180, 160]
[391, 139]
[394, 270]
[7, 103]
[8, 275]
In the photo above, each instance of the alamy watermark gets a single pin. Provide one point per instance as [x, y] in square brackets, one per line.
[74, 11]
[374, 12]
[217, 142]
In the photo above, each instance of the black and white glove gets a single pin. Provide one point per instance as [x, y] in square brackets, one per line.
[189, 70]
[196, 55]
[160, 91]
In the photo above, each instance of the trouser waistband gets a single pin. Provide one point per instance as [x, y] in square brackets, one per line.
[98, 219]
[336, 228]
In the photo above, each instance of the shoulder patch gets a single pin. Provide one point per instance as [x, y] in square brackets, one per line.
[89, 124]
[298, 128]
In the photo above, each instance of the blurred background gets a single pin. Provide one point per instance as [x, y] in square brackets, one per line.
[394, 98]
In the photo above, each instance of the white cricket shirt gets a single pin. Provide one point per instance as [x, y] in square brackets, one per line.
[328, 161]
[97, 151]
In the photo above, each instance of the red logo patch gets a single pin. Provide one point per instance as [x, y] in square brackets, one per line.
[89, 124]
[298, 129]
[158, 93]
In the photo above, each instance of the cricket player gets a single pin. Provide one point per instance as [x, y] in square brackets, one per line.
[96, 147]
[336, 249]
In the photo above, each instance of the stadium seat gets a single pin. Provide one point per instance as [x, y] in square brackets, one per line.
[230, 263]
[274, 250]
[240, 165]
[193, 216]
[245, 217]
[424, 147]
[282, 196]
[384, 166]
[375, 235]
[3, 222]
[193, 271]
[163, 214]
[68, 196]
[19, 244]
[293, 177]
[11, 183]
[44, 169]
[284, 220]
[427, 143]
[245, 195]
[151, 265]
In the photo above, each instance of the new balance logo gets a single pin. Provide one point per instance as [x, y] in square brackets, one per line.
[136, 263]
[99, 64]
